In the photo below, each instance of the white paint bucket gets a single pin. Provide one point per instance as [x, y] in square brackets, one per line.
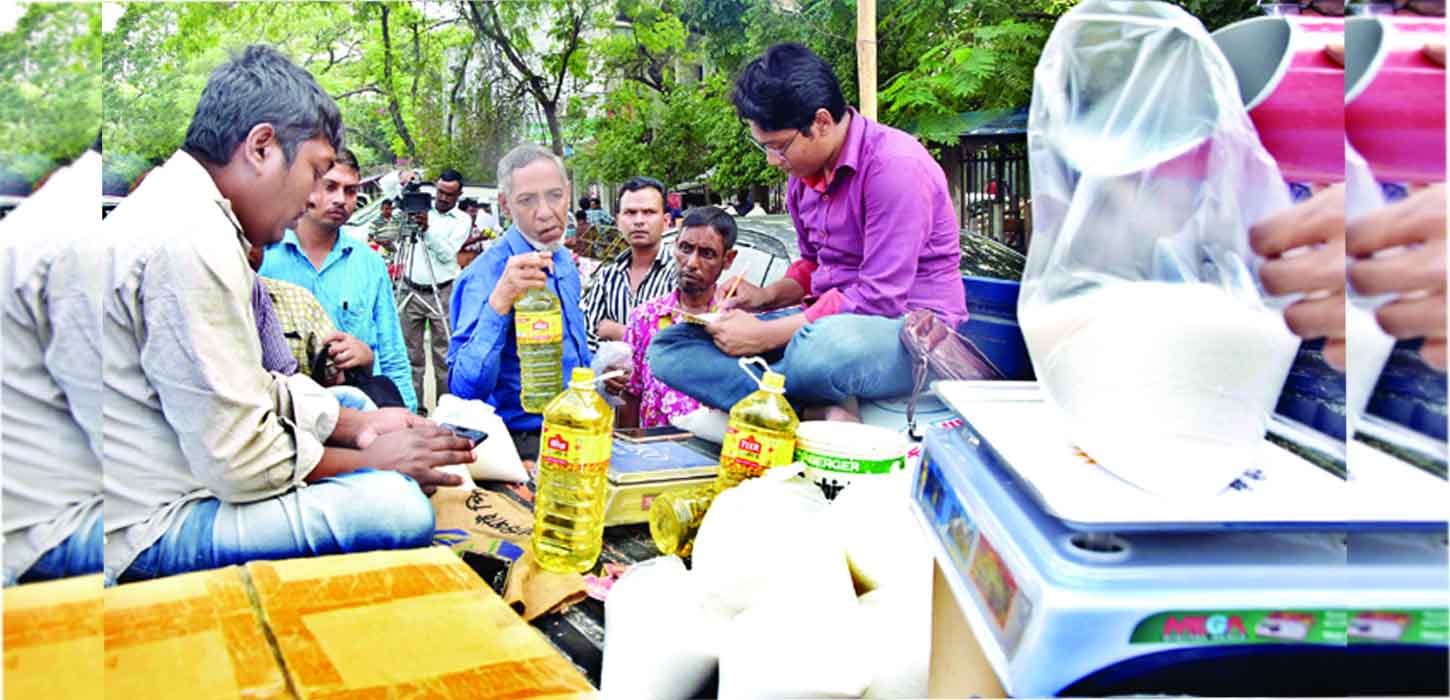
[836, 453]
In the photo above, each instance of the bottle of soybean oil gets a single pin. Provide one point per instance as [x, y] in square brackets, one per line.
[761, 432]
[760, 435]
[539, 329]
[574, 450]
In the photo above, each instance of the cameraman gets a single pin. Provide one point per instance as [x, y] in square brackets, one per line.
[442, 232]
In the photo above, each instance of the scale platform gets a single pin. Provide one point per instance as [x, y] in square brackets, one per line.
[1128, 605]
[1019, 432]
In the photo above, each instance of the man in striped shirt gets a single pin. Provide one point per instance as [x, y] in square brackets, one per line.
[642, 273]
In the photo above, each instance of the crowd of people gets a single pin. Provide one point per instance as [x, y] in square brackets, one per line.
[235, 375]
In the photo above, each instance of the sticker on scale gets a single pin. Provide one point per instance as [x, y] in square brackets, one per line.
[1427, 626]
[1206, 627]
[1003, 601]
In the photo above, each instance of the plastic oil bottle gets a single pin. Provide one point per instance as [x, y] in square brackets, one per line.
[574, 450]
[675, 517]
[539, 329]
[760, 435]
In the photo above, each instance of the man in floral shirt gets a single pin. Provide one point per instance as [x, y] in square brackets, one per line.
[704, 249]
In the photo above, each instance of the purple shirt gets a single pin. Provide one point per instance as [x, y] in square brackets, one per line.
[884, 234]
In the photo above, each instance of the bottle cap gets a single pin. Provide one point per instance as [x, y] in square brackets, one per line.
[773, 382]
[582, 377]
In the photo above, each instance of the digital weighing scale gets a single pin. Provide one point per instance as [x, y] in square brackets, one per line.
[1077, 583]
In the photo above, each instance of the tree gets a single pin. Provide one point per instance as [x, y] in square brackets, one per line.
[50, 76]
[540, 61]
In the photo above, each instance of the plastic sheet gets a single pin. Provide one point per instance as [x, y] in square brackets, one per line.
[1140, 303]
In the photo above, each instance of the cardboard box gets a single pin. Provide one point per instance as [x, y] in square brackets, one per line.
[958, 667]
[189, 637]
[404, 624]
[54, 640]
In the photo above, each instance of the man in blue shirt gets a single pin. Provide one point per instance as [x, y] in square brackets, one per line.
[483, 354]
[347, 277]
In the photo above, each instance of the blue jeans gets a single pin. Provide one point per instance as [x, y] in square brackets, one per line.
[359, 511]
[79, 555]
[826, 362]
[352, 397]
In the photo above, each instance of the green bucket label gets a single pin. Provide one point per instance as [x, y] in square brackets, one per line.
[849, 465]
[1337, 627]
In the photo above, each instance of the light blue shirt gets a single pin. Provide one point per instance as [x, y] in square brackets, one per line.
[483, 355]
[353, 287]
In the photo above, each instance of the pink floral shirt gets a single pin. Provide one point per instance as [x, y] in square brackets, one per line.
[657, 402]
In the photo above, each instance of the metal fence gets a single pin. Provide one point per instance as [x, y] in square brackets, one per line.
[995, 194]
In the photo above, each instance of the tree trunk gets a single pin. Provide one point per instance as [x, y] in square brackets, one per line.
[393, 109]
[551, 115]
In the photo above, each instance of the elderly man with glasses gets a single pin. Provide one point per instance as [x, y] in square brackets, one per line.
[483, 355]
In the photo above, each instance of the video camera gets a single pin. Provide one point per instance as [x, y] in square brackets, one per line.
[414, 200]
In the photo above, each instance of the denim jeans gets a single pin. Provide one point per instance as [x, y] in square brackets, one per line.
[359, 511]
[79, 555]
[825, 362]
[352, 397]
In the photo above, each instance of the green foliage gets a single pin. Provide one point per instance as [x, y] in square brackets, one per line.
[50, 78]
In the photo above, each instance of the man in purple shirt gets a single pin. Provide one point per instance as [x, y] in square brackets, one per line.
[878, 238]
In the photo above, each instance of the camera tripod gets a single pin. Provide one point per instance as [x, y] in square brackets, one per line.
[408, 243]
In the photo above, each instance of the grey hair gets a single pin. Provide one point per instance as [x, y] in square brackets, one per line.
[260, 85]
[522, 156]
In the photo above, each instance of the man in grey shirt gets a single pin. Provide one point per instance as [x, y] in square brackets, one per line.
[205, 453]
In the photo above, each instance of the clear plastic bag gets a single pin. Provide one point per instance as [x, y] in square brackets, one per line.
[1140, 305]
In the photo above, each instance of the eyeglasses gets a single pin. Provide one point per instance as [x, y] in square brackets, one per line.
[529, 201]
[772, 150]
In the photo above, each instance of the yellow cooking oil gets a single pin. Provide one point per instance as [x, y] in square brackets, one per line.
[760, 434]
[574, 449]
[539, 330]
[675, 517]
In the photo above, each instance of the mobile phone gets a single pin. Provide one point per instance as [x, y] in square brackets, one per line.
[474, 436]
[655, 434]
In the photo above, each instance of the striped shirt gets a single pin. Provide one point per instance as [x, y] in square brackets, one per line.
[610, 298]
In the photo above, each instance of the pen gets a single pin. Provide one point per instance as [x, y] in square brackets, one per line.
[733, 286]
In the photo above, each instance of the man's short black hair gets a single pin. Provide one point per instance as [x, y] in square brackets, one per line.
[260, 85]
[388, 203]
[346, 158]
[715, 218]
[637, 183]
[450, 175]
[783, 88]
[581, 215]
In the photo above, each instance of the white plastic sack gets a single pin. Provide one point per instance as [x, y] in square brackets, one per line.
[1146, 323]
[660, 642]
[494, 459]
[768, 537]
[885, 545]
[706, 423]
[898, 623]
[788, 647]
[1368, 347]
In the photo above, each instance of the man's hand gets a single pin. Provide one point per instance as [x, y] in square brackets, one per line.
[747, 296]
[1319, 273]
[610, 330]
[418, 452]
[524, 271]
[421, 219]
[348, 352]
[388, 420]
[738, 334]
[615, 386]
[1416, 274]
